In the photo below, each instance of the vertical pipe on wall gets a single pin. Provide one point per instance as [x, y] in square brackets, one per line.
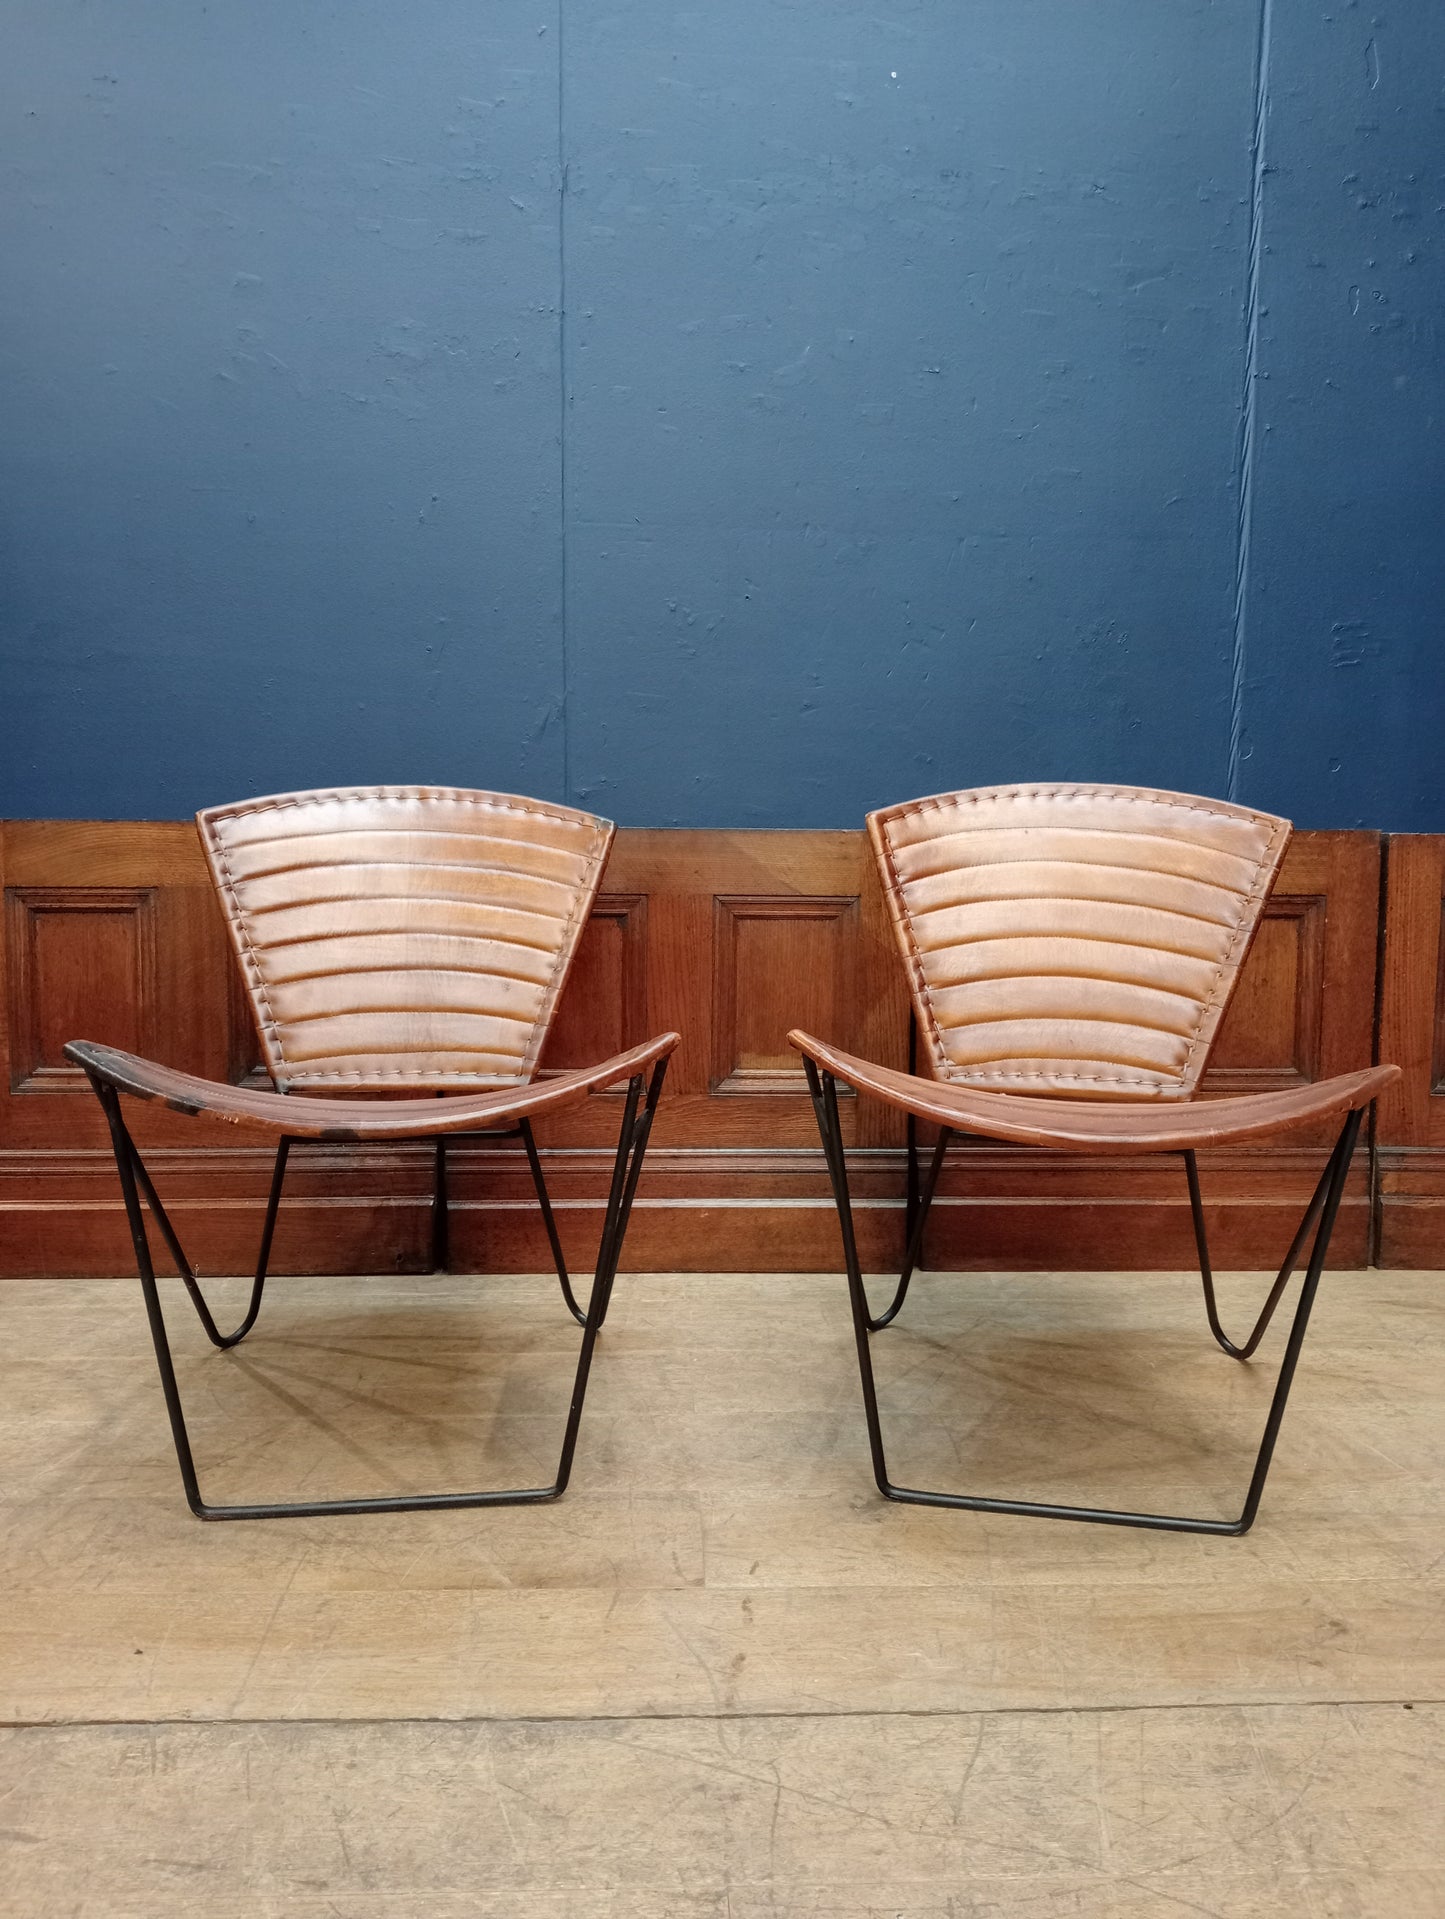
[1247, 407]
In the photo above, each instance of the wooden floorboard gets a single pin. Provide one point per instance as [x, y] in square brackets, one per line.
[1229, 1811]
[722, 1679]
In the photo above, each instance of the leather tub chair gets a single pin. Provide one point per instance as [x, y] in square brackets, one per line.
[1070, 953]
[408, 941]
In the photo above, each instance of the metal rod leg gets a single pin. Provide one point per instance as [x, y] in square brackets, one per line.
[916, 1213]
[626, 1168]
[631, 1146]
[554, 1239]
[1335, 1175]
[126, 1160]
[641, 1133]
[1282, 1279]
[183, 1265]
[825, 1108]
[1326, 1203]
[912, 1255]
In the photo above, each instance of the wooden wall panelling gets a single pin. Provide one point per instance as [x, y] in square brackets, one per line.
[112, 932]
[747, 935]
[795, 896]
[1411, 1124]
[778, 962]
[604, 1008]
[728, 938]
[68, 945]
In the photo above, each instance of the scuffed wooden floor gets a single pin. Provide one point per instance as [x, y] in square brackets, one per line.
[722, 1679]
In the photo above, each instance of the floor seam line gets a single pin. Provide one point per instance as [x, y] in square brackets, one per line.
[714, 1718]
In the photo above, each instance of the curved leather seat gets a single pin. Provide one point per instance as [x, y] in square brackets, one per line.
[1077, 1126]
[1070, 953]
[393, 939]
[305, 1116]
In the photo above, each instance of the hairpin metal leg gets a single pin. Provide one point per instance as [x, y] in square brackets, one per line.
[825, 1106]
[917, 1202]
[187, 1271]
[627, 1166]
[554, 1239]
[923, 1203]
[1282, 1279]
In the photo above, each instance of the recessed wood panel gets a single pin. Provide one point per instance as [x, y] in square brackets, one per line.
[603, 1009]
[1437, 1061]
[82, 965]
[1270, 1036]
[729, 938]
[777, 964]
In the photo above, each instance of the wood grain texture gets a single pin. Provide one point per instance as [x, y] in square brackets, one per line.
[721, 1677]
[722, 1549]
[1411, 1139]
[720, 936]
[1243, 1812]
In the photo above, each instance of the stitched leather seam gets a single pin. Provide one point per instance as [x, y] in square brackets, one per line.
[365, 972]
[571, 933]
[1091, 1079]
[399, 1072]
[1247, 925]
[447, 1012]
[1149, 838]
[294, 942]
[936, 956]
[408, 866]
[991, 900]
[412, 795]
[446, 796]
[1265, 865]
[1061, 936]
[411, 832]
[942, 801]
[1070, 1019]
[454, 926]
[238, 921]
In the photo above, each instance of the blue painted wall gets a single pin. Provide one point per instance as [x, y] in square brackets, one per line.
[723, 416]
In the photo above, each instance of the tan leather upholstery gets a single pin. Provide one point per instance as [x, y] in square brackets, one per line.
[1074, 940]
[403, 936]
[1097, 1126]
[345, 1119]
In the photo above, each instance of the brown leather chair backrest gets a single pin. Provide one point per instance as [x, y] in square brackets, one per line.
[1074, 940]
[403, 936]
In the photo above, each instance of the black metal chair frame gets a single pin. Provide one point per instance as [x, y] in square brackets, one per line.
[440, 1232]
[1320, 1213]
[136, 1184]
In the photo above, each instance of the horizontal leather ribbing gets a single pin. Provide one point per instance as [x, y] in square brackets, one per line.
[403, 934]
[1048, 879]
[1074, 940]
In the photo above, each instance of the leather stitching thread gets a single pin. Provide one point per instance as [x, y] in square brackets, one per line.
[420, 796]
[238, 921]
[1244, 921]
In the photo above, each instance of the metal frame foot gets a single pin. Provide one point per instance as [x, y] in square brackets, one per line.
[135, 1181]
[1322, 1208]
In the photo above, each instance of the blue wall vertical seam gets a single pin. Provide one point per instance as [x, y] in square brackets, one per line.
[1249, 400]
[562, 412]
